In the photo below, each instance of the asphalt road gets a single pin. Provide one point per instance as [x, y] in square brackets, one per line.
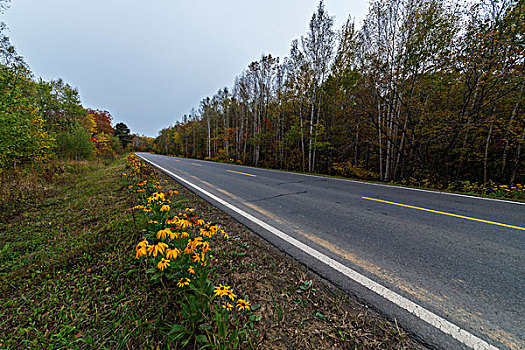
[458, 258]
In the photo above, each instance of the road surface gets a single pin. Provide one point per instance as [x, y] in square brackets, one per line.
[449, 268]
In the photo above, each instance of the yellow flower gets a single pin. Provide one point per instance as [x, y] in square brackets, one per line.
[138, 207]
[165, 208]
[173, 253]
[221, 290]
[192, 245]
[243, 305]
[147, 209]
[230, 295]
[172, 221]
[163, 264]
[206, 231]
[227, 306]
[196, 258]
[143, 243]
[172, 234]
[191, 270]
[183, 223]
[161, 234]
[141, 190]
[205, 247]
[157, 248]
[183, 282]
[141, 251]
[184, 235]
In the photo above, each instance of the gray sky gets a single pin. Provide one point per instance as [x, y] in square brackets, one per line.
[150, 62]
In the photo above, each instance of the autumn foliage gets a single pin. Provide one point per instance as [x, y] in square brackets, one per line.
[425, 93]
[42, 120]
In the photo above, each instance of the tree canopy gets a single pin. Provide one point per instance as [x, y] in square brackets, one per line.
[426, 91]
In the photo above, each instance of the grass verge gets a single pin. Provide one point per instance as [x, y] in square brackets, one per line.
[67, 277]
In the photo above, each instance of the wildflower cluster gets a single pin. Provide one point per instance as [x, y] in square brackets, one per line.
[490, 188]
[177, 243]
[515, 192]
[226, 293]
[222, 159]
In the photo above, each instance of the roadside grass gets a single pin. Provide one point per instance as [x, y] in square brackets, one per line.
[67, 278]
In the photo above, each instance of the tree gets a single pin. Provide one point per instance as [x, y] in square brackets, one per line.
[102, 121]
[318, 51]
[123, 133]
[426, 92]
[22, 134]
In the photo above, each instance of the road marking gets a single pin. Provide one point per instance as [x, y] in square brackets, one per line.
[238, 172]
[196, 164]
[438, 322]
[444, 213]
[381, 185]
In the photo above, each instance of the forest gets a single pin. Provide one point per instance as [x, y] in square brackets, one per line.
[425, 92]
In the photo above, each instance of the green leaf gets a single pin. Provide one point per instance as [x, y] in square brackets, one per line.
[255, 318]
[177, 328]
[201, 338]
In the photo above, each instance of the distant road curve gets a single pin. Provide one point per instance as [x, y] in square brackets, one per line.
[450, 268]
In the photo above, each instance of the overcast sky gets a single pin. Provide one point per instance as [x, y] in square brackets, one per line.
[150, 62]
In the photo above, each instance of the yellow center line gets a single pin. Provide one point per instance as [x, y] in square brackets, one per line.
[238, 172]
[444, 213]
[196, 164]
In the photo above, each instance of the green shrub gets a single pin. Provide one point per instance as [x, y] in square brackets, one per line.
[75, 143]
[347, 169]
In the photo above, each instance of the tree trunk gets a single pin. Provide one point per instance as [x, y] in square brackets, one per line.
[209, 135]
[302, 136]
[517, 159]
[507, 136]
[380, 140]
[486, 156]
[310, 135]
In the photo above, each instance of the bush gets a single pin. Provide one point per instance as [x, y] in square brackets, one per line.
[347, 169]
[75, 144]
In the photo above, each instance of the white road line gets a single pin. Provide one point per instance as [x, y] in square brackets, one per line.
[438, 322]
